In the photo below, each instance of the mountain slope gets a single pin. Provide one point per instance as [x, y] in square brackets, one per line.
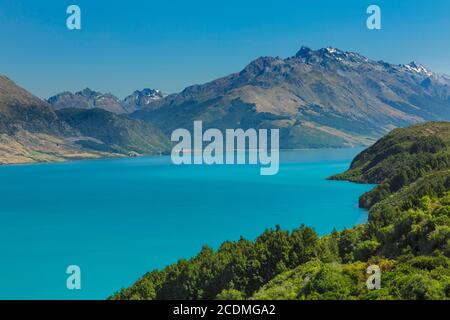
[20, 110]
[114, 133]
[340, 96]
[403, 156]
[31, 131]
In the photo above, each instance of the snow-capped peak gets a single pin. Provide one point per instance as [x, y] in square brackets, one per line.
[417, 68]
[331, 50]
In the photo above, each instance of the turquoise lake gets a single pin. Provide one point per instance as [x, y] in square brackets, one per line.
[119, 218]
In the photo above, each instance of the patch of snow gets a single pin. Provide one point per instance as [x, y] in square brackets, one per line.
[417, 68]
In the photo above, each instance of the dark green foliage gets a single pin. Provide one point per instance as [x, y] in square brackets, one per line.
[93, 145]
[243, 266]
[328, 283]
[412, 278]
[230, 294]
[400, 158]
[428, 144]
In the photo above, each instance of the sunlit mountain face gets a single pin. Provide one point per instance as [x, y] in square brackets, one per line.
[319, 98]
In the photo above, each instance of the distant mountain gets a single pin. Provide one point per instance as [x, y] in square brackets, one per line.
[318, 98]
[141, 99]
[109, 132]
[31, 130]
[89, 99]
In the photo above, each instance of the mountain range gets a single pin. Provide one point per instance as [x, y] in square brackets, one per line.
[31, 130]
[89, 99]
[317, 98]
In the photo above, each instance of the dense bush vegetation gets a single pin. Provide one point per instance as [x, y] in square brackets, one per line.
[407, 235]
[408, 278]
[243, 265]
[400, 158]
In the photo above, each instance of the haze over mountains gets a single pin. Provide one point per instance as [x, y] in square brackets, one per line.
[318, 98]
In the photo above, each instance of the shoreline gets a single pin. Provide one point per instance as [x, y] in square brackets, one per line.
[120, 156]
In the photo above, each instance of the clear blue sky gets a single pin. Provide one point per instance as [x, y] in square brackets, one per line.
[170, 44]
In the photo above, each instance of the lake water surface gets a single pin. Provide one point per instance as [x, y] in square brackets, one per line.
[120, 218]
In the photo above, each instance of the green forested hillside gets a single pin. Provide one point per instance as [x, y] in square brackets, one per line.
[114, 133]
[400, 158]
[407, 236]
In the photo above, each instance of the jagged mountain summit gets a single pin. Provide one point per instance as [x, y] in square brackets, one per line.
[89, 99]
[139, 99]
[318, 98]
